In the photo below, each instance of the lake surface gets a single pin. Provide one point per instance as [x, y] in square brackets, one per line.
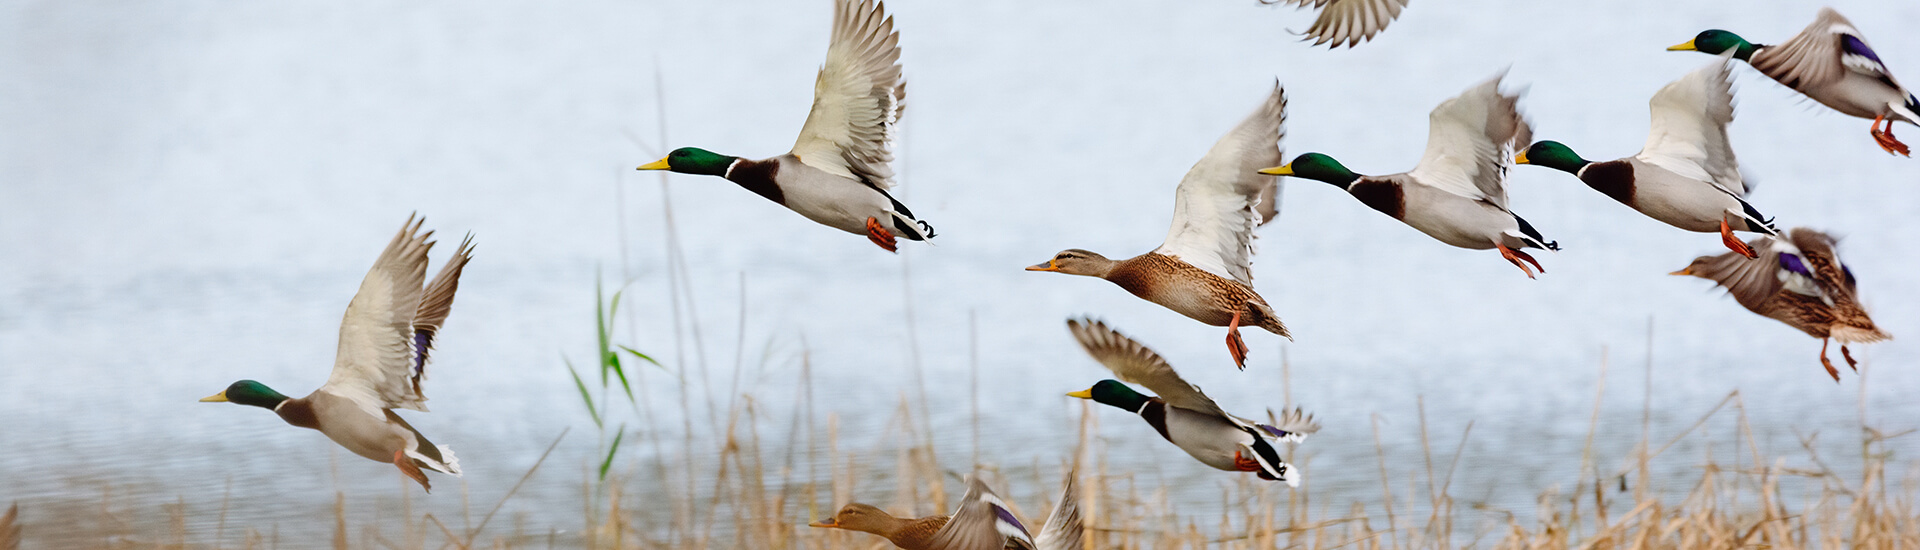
[191, 192]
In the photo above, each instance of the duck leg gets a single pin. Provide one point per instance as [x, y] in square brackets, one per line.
[1835, 373]
[1851, 364]
[1885, 137]
[407, 467]
[880, 236]
[1514, 256]
[1244, 464]
[1235, 345]
[1734, 243]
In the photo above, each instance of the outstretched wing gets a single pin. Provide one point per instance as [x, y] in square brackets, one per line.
[1689, 131]
[1753, 281]
[1470, 143]
[983, 522]
[1133, 362]
[1294, 425]
[1349, 22]
[1063, 530]
[857, 98]
[382, 357]
[1214, 207]
[1822, 54]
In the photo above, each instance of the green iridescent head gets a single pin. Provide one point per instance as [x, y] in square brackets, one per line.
[1552, 154]
[248, 392]
[1112, 392]
[1716, 41]
[693, 160]
[1315, 166]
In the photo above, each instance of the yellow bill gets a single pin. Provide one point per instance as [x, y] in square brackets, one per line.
[1049, 266]
[1278, 170]
[655, 165]
[1687, 47]
[1520, 158]
[215, 398]
[1083, 394]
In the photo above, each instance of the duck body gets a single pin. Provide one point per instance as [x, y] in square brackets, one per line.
[1665, 195]
[982, 522]
[1797, 279]
[1208, 438]
[827, 199]
[1447, 217]
[1194, 292]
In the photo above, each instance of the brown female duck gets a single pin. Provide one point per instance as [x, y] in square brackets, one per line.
[1798, 280]
[982, 523]
[1203, 269]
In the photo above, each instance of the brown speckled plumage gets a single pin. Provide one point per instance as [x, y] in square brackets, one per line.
[1825, 305]
[1193, 292]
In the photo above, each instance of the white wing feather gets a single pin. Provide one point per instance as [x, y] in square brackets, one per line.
[375, 362]
[1349, 22]
[1214, 207]
[1470, 143]
[1689, 131]
[857, 97]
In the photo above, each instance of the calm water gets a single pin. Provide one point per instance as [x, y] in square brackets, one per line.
[190, 193]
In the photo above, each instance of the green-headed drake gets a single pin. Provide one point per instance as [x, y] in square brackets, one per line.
[384, 341]
[1830, 62]
[1181, 413]
[1203, 270]
[1346, 22]
[1457, 193]
[1798, 279]
[1686, 174]
[838, 173]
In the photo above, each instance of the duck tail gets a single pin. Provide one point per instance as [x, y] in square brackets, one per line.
[1757, 222]
[1533, 235]
[1849, 334]
[447, 463]
[1272, 467]
[1912, 109]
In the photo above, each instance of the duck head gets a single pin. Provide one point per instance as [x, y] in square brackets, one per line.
[1715, 41]
[247, 392]
[693, 160]
[1552, 154]
[1074, 261]
[860, 517]
[1315, 166]
[1113, 393]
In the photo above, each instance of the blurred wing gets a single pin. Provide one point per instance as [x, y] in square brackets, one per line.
[1820, 54]
[857, 97]
[1753, 281]
[981, 523]
[1269, 205]
[1689, 132]
[1063, 530]
[1293, 425]
[375, 362]
[435, 304]
[1470, 141]
[1350, 22]
[1213, 209]
[1132, 362]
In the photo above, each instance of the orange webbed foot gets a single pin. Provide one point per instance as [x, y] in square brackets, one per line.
[1884, 138]
[407, 467]
[880, 236]
[1236, 346]
[1244, 464]
[1734, 243]
[1851, 364]
[1835, 373]
[1514, 256]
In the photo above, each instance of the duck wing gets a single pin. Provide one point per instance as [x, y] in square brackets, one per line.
[1471, 140]
[1063, 530]
[1780, 266]
[983, 522]
[383, 352]
[1214, 207]
[1689, 131]
[1349, 22]
[857, 97]
[1133, 362]
[1822, 54]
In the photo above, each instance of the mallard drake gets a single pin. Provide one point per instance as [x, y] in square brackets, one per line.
[384, 342]
[982, 522]
[1798, 280]
[1182, 413]
[1202, 270]
[1457, 193]
[1347, 22]
[1686, 174]
[837, 173]
[1830, 62]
